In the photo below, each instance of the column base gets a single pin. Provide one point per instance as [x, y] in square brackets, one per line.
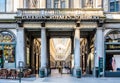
[43, 72]
[96, 72]
[77, 72]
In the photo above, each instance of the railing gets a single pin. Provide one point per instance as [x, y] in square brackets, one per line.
[60, 12]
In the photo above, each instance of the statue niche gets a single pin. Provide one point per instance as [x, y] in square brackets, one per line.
[33, 3]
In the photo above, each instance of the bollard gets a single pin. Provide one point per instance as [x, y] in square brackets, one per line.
[78, 73]
[42, 73]
[97, 72]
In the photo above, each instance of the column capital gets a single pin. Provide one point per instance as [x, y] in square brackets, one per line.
[43, 24]
[78, 23]
[100, 22]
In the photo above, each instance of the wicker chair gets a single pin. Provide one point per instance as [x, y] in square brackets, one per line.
[13, 73]
[4, 73]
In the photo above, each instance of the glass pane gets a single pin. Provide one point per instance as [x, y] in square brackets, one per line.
[62, 4]
[48, 3]
[2, 5]
[56, 4]
[112, 7]
[114, 36]
[9, 53]
[6, 37]
[9, 5]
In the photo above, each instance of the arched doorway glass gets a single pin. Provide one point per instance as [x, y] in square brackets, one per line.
[7, 50]
[112, 53]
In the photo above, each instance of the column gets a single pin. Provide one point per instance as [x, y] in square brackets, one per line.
[20, 47]
[43, 50]
[98, 3]
[76, 51]
[99, 46]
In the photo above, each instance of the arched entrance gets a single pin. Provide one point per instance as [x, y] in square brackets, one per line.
[112, 54]
[7, 49]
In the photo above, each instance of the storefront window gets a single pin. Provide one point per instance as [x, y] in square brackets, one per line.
[7, 48]
[112, 47]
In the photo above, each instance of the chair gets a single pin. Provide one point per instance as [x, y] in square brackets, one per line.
[13, 73]
[26, 72]
[4, 73]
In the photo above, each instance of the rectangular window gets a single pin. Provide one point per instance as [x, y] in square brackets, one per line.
[48, 3]
[114, 5]
[2, 5]
[6, 5]
[62, 3]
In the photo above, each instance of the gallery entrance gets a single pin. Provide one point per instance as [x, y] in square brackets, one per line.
[87, 52]
[60, 52]
[32, 50]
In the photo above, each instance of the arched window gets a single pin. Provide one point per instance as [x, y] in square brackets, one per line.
[7, 48]
[112, 52]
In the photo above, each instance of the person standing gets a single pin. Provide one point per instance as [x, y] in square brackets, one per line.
[113, 64]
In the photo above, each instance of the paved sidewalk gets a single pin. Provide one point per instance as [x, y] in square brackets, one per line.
[56, 77]
[63, 79]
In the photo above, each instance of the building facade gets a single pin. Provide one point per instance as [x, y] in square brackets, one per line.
[92, 26]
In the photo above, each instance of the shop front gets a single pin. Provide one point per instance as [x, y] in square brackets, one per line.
[7, 49]
[112, 54]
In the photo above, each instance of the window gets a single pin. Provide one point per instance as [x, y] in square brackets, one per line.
[112, 51]
[56, 3]
[2, 5]
[6, 5]
[7, 48]
[48, 3]
[114, 5]
[62, 3]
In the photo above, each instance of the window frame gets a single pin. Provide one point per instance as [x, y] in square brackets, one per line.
[5, 6]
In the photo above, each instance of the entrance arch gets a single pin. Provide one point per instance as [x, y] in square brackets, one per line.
[7, 49]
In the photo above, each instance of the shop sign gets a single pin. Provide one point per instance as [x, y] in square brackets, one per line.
[60, 17]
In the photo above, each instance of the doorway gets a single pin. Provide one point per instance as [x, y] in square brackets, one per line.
[87, 53]
[32, 50]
